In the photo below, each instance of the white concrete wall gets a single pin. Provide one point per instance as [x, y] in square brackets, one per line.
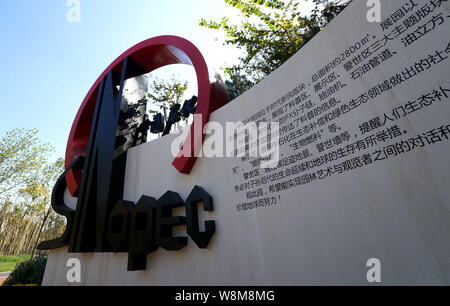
[396, 210]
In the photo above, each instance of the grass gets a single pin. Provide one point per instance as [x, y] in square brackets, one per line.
[8, 263]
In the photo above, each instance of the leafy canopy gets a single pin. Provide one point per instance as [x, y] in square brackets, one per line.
[166, 93]
[26, 181]
[22, 156]
[271, 31]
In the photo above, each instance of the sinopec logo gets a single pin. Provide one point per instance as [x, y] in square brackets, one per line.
[95, 172]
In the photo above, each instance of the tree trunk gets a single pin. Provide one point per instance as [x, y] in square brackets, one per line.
[40, 232]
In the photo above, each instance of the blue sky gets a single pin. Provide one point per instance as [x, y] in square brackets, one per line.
[49, 64]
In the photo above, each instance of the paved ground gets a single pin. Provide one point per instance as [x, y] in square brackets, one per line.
[3, 277]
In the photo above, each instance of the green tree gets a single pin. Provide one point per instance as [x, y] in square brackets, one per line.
[271, 31]
[164, 94]
[237, 84]
[22, 156]
[26, 182]
[38, 197]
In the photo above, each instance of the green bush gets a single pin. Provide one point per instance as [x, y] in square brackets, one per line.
[28, 272]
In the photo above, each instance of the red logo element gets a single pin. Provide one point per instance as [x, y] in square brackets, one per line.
[149, 55]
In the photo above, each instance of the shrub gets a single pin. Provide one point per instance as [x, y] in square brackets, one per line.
[28, 272]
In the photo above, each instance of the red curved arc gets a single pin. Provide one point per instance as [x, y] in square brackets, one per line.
[150, 54]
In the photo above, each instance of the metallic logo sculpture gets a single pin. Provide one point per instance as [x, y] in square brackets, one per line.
[103, 222]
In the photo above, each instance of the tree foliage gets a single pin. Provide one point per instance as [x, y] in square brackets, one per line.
[271, 31]
[27, 179]
[22, 156]
[237, 84]
[164, 94]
